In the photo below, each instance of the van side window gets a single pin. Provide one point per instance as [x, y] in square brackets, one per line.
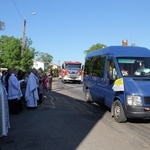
[98, 66]
[111, 70]
[94, 66]
[88, 67]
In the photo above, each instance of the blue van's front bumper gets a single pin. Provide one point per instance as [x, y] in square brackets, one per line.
[137, 112]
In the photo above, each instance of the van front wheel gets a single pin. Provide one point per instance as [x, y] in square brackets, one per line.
[88, 96]
[119, 114]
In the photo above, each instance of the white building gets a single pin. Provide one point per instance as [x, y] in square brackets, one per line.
[40, 64]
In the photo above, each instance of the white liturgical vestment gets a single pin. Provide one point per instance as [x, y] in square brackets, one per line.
[4, 112]
[31, 94]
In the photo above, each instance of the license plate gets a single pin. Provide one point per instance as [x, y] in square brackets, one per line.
[72, 75]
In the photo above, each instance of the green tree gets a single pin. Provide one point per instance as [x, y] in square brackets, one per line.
[10, 48]
[11, 53]
[27, 55]
[95, 47]
[133, 44]
[27, 59]
[2, 25]
[45, 57]
[40, 69]
[56, 72]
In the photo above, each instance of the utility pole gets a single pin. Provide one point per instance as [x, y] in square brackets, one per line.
[23, 37]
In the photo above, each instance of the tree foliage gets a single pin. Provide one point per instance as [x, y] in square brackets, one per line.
[45, 57]
[11, 53]
[95, 47]
[2, 25]
[133, 44]
[27, 59]
[40, 69]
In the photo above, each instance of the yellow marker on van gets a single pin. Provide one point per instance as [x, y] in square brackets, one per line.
[118, 85]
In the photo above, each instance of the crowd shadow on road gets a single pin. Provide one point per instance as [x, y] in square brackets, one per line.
[59, 123]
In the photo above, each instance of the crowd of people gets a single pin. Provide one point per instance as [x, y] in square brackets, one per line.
[19, 89]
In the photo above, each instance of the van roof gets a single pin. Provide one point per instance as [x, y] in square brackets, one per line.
[121, 51]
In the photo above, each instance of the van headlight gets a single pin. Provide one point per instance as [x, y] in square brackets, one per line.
[134, 100]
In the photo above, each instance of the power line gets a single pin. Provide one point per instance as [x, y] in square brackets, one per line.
[17, 9]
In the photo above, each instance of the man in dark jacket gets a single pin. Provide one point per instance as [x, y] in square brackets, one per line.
[9, 72]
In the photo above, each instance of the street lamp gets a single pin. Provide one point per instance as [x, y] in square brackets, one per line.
[24, 34]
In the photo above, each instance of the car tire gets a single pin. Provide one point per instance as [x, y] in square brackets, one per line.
[119, 114]
[88, 96]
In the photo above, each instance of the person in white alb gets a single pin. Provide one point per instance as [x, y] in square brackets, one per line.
[4, 112]
[31, 94]
[14, 93]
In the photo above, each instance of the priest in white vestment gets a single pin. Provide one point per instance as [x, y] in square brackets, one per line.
[4, 112]
[31, 94]
[14, 93]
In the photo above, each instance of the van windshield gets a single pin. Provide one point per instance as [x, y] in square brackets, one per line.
[134, 66]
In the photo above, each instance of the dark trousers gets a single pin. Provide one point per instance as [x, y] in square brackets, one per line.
[50, 84]
[40, 98]
[15, 106]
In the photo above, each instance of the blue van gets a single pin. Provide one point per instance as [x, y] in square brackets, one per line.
[119, 77]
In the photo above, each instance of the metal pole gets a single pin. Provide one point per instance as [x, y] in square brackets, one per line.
[23, 37]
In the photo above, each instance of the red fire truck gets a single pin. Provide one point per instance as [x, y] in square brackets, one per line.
[71, 71]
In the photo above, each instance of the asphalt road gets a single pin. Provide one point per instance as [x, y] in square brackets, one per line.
[66, 122]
